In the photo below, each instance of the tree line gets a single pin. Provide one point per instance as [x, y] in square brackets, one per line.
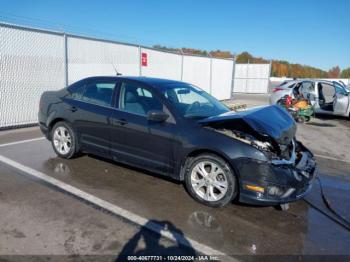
[279, 68]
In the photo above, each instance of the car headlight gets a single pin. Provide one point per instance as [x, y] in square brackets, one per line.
[247, 139]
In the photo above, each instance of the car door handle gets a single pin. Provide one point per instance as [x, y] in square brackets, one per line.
[120, 122]
[73, 109]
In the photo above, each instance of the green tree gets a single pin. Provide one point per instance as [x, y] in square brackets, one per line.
[244, 58]
[221, 54]
[345, 73]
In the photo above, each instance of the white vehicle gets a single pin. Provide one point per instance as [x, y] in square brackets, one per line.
[327, 97]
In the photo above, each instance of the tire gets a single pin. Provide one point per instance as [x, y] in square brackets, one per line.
[300, 119]
[64, 141]
[217, 190]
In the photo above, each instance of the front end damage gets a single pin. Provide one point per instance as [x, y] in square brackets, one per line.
[277, 181]
[288, 171]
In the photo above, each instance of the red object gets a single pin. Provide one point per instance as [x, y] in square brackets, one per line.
[288, 101]
[144, 59]
[277, 89]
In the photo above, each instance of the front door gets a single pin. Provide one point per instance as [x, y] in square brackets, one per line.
[341, 100]
[135, 139]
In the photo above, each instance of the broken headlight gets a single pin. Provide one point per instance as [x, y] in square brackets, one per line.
[250, 140]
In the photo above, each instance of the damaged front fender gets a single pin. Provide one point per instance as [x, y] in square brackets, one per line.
[270, 123]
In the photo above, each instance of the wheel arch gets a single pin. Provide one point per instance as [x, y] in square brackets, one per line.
[200, 151]
[55, 121]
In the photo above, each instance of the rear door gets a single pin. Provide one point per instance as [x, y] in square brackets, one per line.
[135, 139]
[307, 90]
[90, 107]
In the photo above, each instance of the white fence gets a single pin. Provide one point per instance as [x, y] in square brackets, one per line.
[221, 76]
[30, 62]
[162, 64]
[33, 61]
[87, 57]
[252, 78]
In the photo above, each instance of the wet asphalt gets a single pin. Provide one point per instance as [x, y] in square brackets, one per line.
[39, 219]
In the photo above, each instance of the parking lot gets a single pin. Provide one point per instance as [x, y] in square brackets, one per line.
[92, 206]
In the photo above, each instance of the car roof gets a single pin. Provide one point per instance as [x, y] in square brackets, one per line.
[290, 82]
[155, 82]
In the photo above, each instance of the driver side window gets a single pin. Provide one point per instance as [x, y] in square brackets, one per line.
[137, 100]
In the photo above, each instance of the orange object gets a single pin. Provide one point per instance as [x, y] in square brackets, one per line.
[255, 188]
[302, 104]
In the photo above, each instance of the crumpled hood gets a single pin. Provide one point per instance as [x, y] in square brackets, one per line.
[261, 122]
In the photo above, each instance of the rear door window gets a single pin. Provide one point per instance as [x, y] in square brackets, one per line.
[99, 93]
[307, 88]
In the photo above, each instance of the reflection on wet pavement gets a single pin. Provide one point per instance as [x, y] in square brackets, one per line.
[236, 229]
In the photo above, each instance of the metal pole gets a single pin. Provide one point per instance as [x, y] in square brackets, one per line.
[247, 78]
[65, 62]
[211, 75]
[268, 80]
[233, 76]
[182, 65]
[140, 62]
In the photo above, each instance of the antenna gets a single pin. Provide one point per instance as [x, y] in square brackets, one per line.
[116, 71]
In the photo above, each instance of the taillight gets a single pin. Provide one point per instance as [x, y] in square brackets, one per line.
[276, 89]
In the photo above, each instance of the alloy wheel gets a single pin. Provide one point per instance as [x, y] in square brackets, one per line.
[62, 140]
[209, 181]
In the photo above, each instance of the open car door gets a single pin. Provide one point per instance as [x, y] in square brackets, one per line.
[341, 100]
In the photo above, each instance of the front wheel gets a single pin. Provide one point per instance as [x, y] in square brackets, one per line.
[210, 180]
[64, 141]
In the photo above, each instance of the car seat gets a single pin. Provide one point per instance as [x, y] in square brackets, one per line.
[132, 102]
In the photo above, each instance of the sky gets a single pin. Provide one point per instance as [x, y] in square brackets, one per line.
[311, 32]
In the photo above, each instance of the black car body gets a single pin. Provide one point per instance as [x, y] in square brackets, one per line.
[146, 130]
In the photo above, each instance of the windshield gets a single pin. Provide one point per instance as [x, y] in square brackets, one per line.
[192, 102]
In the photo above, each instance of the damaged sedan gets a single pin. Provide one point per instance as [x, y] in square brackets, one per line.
[178, 130]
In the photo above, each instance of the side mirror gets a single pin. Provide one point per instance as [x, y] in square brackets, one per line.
[157, 116]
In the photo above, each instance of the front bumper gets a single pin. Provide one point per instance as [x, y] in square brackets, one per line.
[281, 183]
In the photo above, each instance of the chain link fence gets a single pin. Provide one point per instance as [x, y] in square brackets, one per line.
[35, 60]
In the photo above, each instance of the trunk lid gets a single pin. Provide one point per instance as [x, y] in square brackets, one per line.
[265, 123]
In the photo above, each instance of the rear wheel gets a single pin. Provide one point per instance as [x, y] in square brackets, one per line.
[210, 180]
[300, 119]
[64, 141]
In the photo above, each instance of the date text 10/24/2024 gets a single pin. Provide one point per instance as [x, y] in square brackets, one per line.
[173, 258]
